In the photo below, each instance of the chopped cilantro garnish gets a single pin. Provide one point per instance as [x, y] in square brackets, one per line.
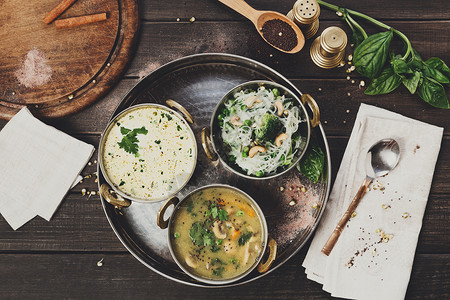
[244, 238]
[223, 215]
[190, 207]
[158, 142]
[214, 248]
[129, 141]
[121, 183]
[239, 213]
[176, 235]
[218, 272]
[200, 235]
[179, 127]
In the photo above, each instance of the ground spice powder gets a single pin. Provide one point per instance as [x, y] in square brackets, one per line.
[280, 34]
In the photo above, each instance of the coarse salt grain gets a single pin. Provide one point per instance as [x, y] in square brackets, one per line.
[34, 70]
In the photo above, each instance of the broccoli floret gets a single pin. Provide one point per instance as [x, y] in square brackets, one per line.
[270, 128]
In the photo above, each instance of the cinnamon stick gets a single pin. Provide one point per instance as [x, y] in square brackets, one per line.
[59, 9]
[77, 21]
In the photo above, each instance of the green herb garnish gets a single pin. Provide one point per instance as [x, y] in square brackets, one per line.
[158, 142]
[176, 235]
[200, 235]
[245, 236]
[130, 140]
[218, 272]
[121, 183]
[312, 163]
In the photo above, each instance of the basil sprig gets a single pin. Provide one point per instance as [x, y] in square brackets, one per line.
[373, 59]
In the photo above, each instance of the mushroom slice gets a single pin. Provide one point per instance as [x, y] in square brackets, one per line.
[235, 121]
[252, 100]
[280, 138]
[246, 254]
[279, 107]
[218, 231]
[191, 261]
[256, 149]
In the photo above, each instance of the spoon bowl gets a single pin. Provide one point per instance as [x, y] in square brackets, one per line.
[265, 16]
[259, 17]
[381, 158]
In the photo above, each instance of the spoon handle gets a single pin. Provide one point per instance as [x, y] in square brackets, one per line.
[243, 8]
[332, 240]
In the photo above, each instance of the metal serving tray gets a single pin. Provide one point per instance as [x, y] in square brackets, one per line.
[198, 82]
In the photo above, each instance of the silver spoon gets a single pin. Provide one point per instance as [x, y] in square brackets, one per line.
[381, 158]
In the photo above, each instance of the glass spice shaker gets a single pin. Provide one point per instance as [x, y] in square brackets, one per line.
[305, 14]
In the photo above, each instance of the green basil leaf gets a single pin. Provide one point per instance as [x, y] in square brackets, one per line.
[313, 163]
[356, 38]
[438, 64]
[412, 82]
[433, 93]
[385, 83]
[370, 57]
[400, 67]
[435, 74]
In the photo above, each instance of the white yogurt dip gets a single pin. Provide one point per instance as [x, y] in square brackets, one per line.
[149, 153]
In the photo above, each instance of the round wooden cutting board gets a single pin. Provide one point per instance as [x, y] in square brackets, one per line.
[56, 72]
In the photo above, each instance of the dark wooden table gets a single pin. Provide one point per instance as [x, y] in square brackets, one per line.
[58, 259]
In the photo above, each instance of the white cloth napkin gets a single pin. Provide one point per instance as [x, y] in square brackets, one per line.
[39, 164]
[362, 264]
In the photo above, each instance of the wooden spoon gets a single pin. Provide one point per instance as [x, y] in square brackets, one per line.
[259, 17]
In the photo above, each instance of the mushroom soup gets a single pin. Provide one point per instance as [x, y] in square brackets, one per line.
[149, 153]
[216, 234]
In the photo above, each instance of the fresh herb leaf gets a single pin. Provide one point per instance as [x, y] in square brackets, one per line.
[196, 234]
[208, 238]
[218, 271]
[433, 93]
[124, 130]
[214, 211]
[371, 55]
[158, 142]
[399, 66]
[214, 248]
[223, 215]
[217, 261]
[190, 207]
[313, 163]
[385, 83]
[239, 213]
[121, 183]
[179, 127]
[245, 236]
[176, 235]
[129, 141]
[435, 74]
[412, 82]
[438, 64]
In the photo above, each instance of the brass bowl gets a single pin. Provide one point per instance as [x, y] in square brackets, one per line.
[112, 192]
[213, 144]
[258, 264]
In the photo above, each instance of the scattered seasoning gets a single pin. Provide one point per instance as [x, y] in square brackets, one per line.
[292, 203]
[326, 122]
[405, 215]
[320, 89]
[192, 19]
[281, 188]
[348, 94]
[353, 214]
[362, 83]
[178, 19]
[34, 70]
[303, 189]
[315, 206]
[347, 111]
[89, 164]
[100, 263]
[384, 206]
[341, 64]
[348, 77]
[353, 81]
[280, 34]
[70, 97]
[83, 192]
[350, 57]
[339, 13]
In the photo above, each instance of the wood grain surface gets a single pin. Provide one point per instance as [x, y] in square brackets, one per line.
[79, 63]
[58, 259]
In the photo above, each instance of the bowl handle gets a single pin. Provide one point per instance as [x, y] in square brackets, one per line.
[263, 267]
[173, 104]
[160, 219]
[306, 98]
[112, 197]
[206, 143]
